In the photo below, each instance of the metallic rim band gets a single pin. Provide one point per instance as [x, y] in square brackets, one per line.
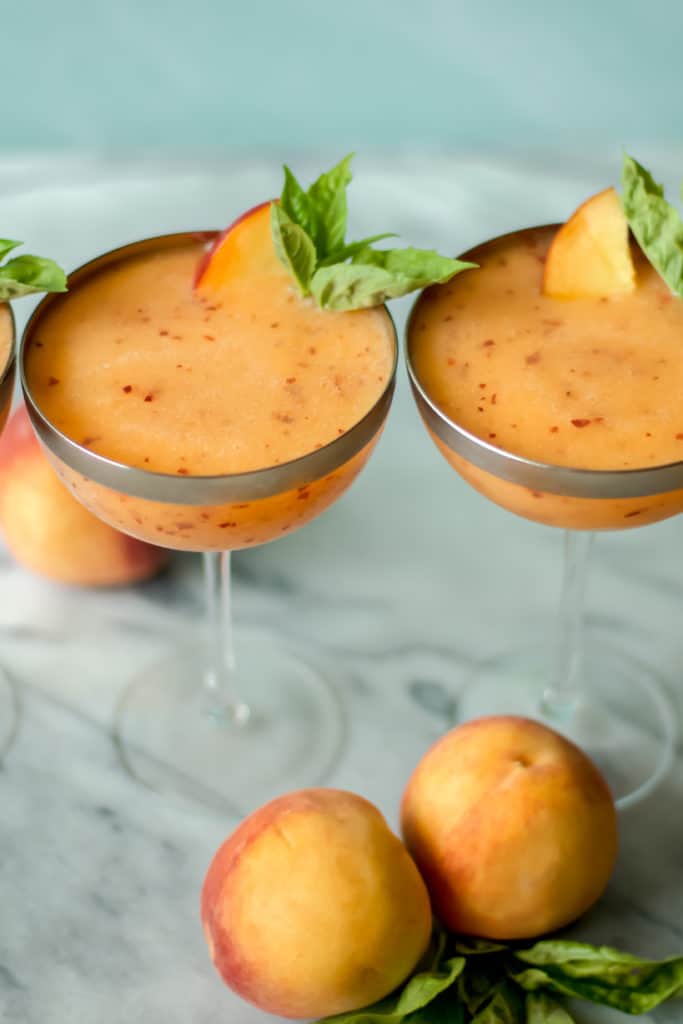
[7, 371]
[194, 490]
[538, 476]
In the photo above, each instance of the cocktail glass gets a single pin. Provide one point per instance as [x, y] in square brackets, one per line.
[244, 718]
[8, 697]
[609, 702]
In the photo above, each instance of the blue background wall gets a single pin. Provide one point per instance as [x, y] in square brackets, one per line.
[272, 73]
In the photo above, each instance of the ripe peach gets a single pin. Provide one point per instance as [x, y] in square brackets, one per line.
[512, 827]
[313, 906]
[50, 532]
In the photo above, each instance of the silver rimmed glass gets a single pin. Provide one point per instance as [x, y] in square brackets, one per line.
[8, 697]
[241, 718]
[605, 699]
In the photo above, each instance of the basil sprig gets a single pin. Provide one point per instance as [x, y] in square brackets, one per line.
[656, 224]
[23, 275]
[309, 236]
[472, 981]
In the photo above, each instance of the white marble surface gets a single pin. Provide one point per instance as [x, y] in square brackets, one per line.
[401, 587]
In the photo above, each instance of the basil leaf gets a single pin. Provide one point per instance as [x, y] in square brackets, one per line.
[309, 230]
[442, 1010]
[352, 248]
[505, 1007]
[479, 980]
[478, 947]
[542, 1009]
[655, 223]
[328, 197]
[298, 205]
[424, 987]
[347, 286]
[599, 974]
[418, 267]
[375, 276]
[293, 247]
[24, 275]
[437, 948]
[418, 993]
[6, 245]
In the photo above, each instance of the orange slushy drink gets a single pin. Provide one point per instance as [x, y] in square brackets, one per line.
[138, 366]
[588, 383]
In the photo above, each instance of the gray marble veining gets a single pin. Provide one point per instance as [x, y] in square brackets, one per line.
[401, 588]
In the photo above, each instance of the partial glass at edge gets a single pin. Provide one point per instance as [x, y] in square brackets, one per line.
[240, 718]
[9, 706]
[601, 696]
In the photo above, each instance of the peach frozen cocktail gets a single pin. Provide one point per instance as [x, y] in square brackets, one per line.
[143, 369]
[211, 399]
[551, 378]
[591, 383]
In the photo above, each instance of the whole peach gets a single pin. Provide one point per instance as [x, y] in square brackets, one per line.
[512, 827]
[50, 532]
[313, 906]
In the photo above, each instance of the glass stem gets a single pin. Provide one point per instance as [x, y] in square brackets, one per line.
[561, 696]
[219, 674]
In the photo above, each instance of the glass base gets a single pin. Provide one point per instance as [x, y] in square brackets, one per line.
[623, 719]
[9, 712]
[175, 738]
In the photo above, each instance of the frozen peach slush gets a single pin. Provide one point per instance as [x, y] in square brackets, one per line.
[590, 383]
[139, 367]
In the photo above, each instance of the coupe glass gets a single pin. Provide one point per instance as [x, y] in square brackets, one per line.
[609, 703]
[241, 718]
[8, 696]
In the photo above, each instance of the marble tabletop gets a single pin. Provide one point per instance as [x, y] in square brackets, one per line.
[400, 588]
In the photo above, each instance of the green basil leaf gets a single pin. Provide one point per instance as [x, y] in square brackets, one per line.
[600, 974]
[347, 286]
[347, 251]
[426, 986]
[445, 1009]
[328, 197]
[437, 948]
[383, 1012]
[6, 245]
[416, 268]
[482, 976]
[656, 224]
[478, 947]
[293, 247]
[542, 1009]
[375, 276]
[24, 275]
[504, 1007]
[471, 992]
[309, 230]
[298, 205]
[417, 993]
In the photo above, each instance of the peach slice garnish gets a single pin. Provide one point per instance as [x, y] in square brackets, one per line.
[244, 247]
[590, 256]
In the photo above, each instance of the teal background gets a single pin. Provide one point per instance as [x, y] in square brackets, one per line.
[356, 73]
